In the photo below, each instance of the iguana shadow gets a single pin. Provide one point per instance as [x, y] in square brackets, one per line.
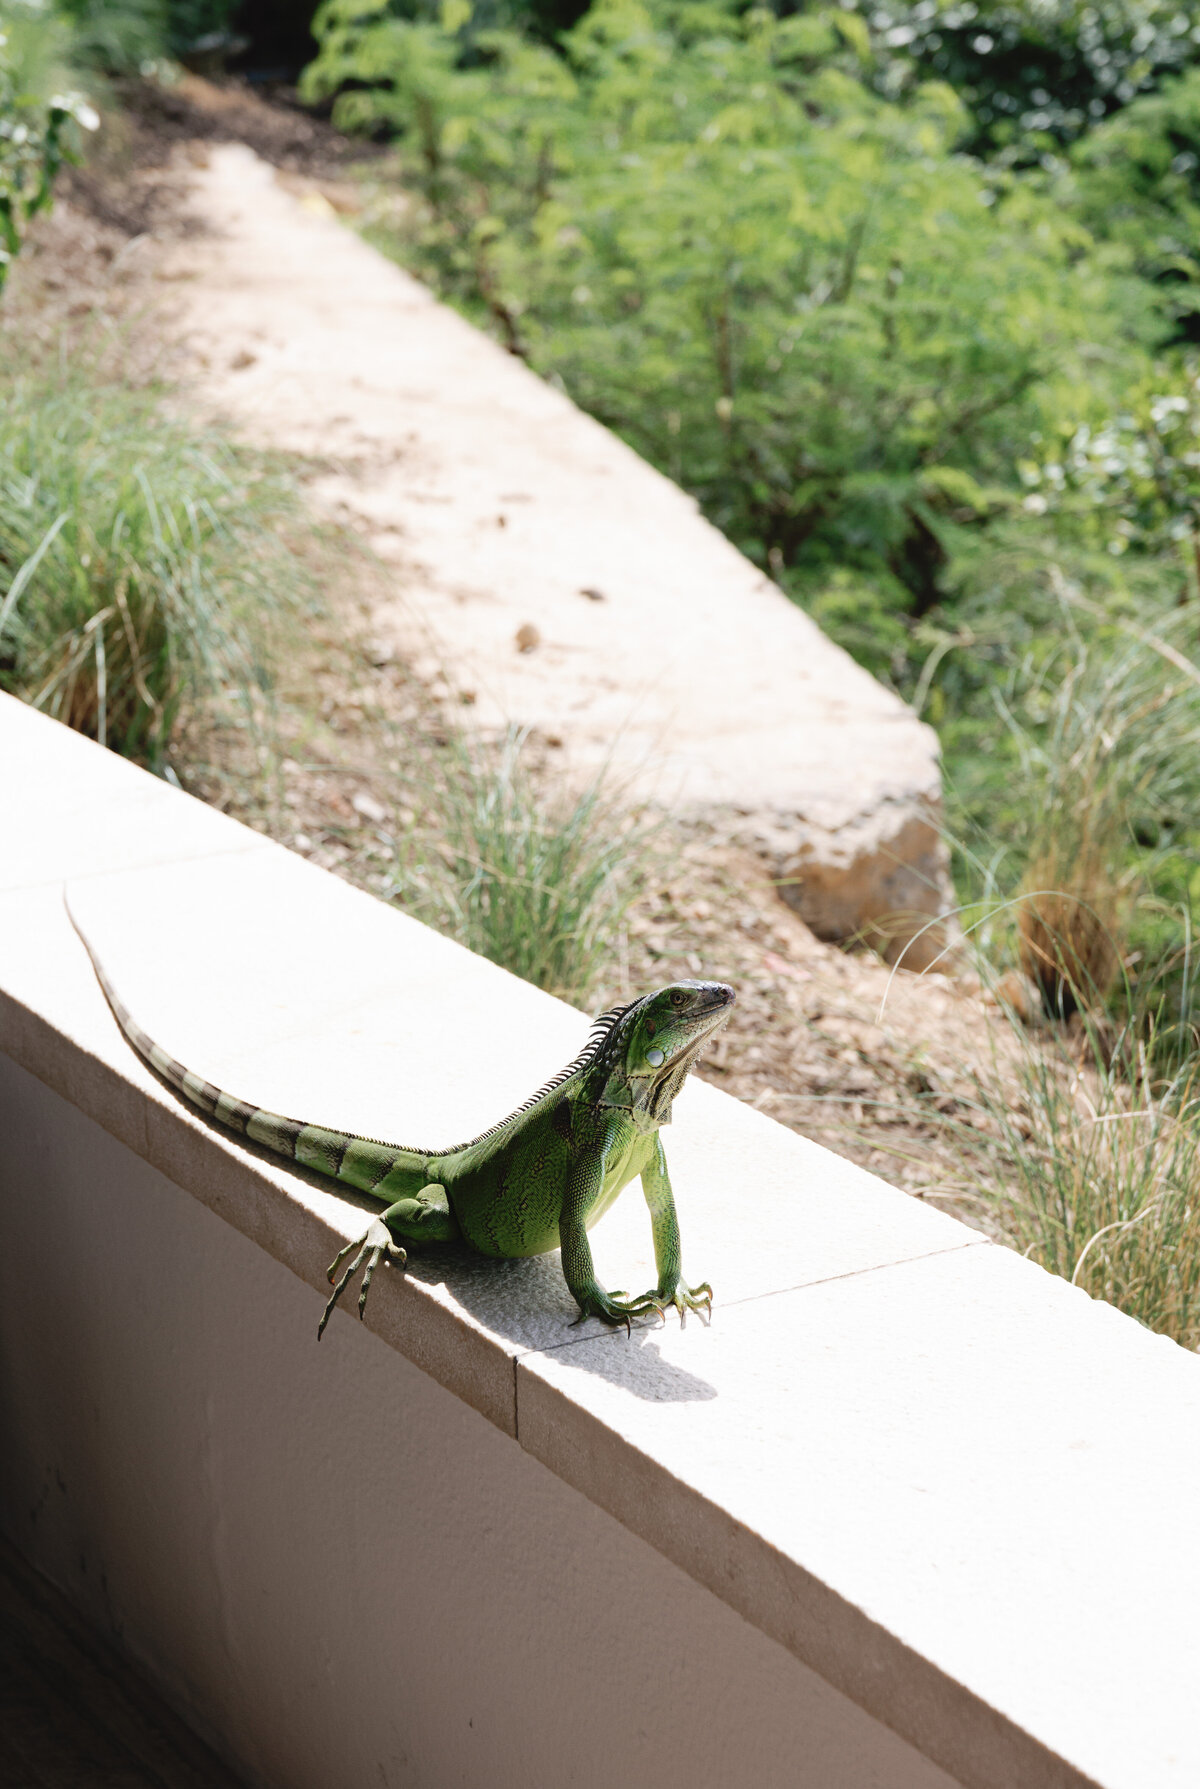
[526, 1305]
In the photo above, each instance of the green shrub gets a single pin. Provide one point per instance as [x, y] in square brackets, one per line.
[41, 115]
[123, 36]
[1034, 74]
[116, 36]
[137, 567]
[1137, 187]
[789, 293]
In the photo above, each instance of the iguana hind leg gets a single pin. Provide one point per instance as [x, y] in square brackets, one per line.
[426, 1217]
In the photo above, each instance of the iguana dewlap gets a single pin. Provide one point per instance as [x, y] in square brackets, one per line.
[536, 1181]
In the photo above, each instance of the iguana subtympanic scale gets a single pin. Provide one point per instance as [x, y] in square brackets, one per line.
[537, 1180]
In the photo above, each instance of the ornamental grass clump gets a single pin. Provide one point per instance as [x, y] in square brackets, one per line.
[535, 884]
[1084, 848]
[138, 570]
[1082, 781]
[1085, 1150]
[1096, 1176]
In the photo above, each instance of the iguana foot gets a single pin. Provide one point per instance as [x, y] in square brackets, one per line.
[617, 1307]
[685, 1299]
[614, 1308]
[374, 1246]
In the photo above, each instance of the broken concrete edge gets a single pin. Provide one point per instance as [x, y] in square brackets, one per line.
[881, 882]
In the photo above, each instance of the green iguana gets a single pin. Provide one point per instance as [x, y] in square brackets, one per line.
[536, 1181]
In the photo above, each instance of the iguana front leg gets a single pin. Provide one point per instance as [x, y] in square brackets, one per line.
[664, 1225]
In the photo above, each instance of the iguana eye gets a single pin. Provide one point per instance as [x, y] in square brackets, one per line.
[678, 997]
[655, 1058]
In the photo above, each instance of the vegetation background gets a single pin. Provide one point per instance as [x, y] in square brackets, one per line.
[908, 294]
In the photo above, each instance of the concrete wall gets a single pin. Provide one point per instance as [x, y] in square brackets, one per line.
[340, 1573]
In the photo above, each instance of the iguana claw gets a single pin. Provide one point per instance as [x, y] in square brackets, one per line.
[616, 1308]
[683, 1299]
[693, 1298]
[374, 1246]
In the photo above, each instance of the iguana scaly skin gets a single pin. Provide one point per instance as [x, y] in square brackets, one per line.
[536, 1181]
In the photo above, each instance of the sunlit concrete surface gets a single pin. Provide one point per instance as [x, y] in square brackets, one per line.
[910, 1512]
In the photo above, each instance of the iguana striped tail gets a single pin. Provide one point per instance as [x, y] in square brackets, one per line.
[360, 1162]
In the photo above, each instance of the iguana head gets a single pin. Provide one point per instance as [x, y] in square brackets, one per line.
[661, 1038]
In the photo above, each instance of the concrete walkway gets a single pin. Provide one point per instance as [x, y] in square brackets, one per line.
[545, 568]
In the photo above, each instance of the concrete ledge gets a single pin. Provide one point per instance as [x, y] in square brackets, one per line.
[919, 1469]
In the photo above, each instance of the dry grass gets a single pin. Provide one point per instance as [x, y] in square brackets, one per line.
[1095, 1174]
[139, 569]
[1070, 916]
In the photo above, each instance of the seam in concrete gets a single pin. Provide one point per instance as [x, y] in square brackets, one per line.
[133, 869]
[732, 1304]
[857, 1273]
